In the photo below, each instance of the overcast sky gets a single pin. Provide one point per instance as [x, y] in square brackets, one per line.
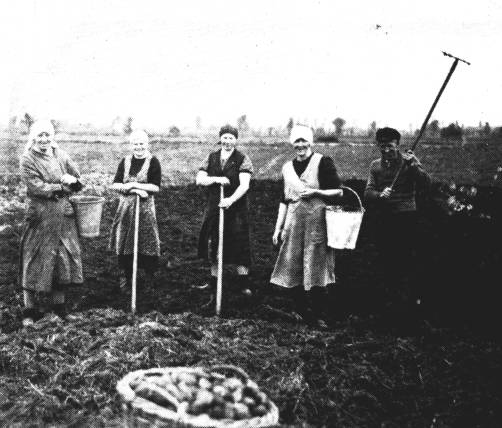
[165, 63]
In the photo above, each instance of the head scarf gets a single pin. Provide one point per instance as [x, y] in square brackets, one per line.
[139, 135]
[37, 127]
[301, 132]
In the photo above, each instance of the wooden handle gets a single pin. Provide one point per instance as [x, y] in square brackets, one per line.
[135, 256]
[219, 282]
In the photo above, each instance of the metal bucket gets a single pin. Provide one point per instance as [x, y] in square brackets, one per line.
[88, 210]
[343, 226]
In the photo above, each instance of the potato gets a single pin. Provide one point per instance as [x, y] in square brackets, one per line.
[253, 385]
[237, 395]
[186, 391]
[220, 390]
[195, 409]
[204, 383]
[187, 378]
[262, 397]
[161, 381]
[228, 411]
[218, 399]
[259, 410]
[241, 411]
[158, 395]
[204, 398]
[217, 412]
[248, 401]
[232, 383]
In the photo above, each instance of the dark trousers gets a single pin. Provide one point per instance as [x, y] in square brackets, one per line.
[400, 258]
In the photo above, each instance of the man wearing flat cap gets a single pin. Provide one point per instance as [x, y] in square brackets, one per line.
[395, 208]
[232, 169]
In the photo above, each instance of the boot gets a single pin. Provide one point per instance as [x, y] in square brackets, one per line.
[318, 299]
[300, 305]
[60, 310]
[31, 315]
[210, 284]
[243, 285]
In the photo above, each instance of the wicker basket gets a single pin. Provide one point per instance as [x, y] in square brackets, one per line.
[142, 413]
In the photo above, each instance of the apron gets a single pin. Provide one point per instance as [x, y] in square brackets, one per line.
[304, 258]
[122, 233]
[236, 237]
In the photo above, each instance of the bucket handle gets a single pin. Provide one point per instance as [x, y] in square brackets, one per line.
[361, 209]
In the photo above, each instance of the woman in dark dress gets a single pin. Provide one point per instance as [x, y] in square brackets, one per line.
[305, 264]
[139, 173]
[232, 169]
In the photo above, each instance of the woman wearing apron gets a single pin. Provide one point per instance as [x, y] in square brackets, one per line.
[305, 264]
[139, 173]
[50, 249]
[232, 169]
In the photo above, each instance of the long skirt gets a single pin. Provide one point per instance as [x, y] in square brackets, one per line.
[304, 258]
[236, 237]
[50, 247]
[122, 233]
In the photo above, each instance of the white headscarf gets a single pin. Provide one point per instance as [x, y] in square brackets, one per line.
[301, 132]
[39, 126]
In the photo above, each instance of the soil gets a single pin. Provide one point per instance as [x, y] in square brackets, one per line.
[380, 363]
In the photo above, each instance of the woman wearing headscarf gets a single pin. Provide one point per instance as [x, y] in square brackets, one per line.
[139, 173]
[305, 264]
[50, 249]
[231, 168]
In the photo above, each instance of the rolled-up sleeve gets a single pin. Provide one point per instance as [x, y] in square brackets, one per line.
[246, 165]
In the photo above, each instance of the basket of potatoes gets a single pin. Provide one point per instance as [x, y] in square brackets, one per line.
[220, 396]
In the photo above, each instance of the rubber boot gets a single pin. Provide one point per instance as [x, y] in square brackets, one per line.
[318, 299]
[31, 315]
[243, 285]
[209, 285]
[60, 310]
[300, 303]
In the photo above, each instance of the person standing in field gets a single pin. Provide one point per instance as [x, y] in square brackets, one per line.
[397, 230]
[50, 248]
[232, 169]
[138, 174]
[305, 264]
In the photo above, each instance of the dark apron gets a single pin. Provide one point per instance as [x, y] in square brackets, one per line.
[236, 247]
